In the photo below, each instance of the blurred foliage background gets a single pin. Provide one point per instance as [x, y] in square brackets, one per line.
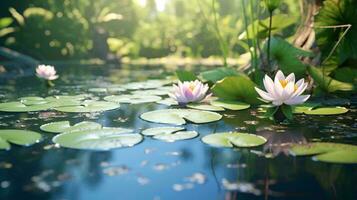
[79, 29]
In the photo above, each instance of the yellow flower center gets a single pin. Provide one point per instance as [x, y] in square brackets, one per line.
[284, 83]
[191, 87]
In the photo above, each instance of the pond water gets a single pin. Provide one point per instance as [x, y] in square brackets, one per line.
[157, 170]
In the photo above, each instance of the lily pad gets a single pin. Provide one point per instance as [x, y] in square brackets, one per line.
[327, 152]
[150, 84]
[205, 107]
[234, 139]
[15, 106]
[98, 139]
[231, 105]
[153, 92]
[170, 134]
[19, 137]
[168, 102]
[89, 106]
[132, 99]
[64, 126]
[179, 116]
[161, 130]
[299, 109]
[327, 111]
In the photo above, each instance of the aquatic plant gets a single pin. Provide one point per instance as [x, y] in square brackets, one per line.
[190, 92]
[283, 92]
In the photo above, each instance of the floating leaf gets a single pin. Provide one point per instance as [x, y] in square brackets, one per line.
[304, 107]
[153, 92]
[218, 74]
[180, 135]
[168, 102]
[236, 88]
[15, 106]
[234, 139]
[98, 90]
[90, 106]
[132, 99]
[185, 75]
[150, 84]
[230, 105]
[64, 126]
[19, 137]
[205, 107]
[326, 111]
[98, 139]
[327, 152]
[178, 116]
[161, 130]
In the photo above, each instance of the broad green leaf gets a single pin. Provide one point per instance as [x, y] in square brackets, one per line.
[280, 22]
[183, 75]
[5, 22]
[64, 126]
[346, 74]
[287, 111]
[15, 106]
[19, 137]
[327, 83]
[98, 139]
[327, 152]
[180, 135]
[179, 116]
[234, 139]
[205, 107]
[161, 130]
[230, 105]
[287, 56]
[326, 111]
[90, 106]
[236, 88]
[218, 74]
[132, 99]
[337, 13]
[299, 109]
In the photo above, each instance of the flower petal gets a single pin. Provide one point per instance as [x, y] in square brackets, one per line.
[264, 95]
[297, 100]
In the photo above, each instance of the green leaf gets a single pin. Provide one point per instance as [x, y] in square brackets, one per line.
[337, 13]
[327, 83]
[234, 139]
[299, 109]
[183, 75]
[327, 111]
[161, 130]
[98, 139]
[179, 116]
[19, 137]
[280, 22]
[89, 106]
[180, 135]
[346, 74]
[230, 105]
[287, 111]
[64, 126]
[218, 74]
[132, 99]
[287, 56]
[236, 88]
[5, 22]
[327, 152]
[205, 107]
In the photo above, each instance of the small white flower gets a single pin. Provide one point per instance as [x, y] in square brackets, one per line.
[47, 72]
[189, 92]
[283, 90]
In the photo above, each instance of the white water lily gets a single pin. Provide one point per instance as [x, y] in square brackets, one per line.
[47, 72]
[190, 92]
[283, 90]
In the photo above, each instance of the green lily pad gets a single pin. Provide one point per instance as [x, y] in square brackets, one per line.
[15, 106]
[180, 135]
[98, 90]
[153, 92]
[327, 111]
[231, 105]
[150, 84]
[205, 107]
[98, 139]
[170, 134]
[327, 152]
[234, 139]
[161, 130]
[179, 116]
[299, 109]
[132, 99]
[89, 106]
[64, 126]
[19, 137]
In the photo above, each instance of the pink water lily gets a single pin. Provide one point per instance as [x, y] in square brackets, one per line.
[47, 72]
[283, 90]
[190, 92]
